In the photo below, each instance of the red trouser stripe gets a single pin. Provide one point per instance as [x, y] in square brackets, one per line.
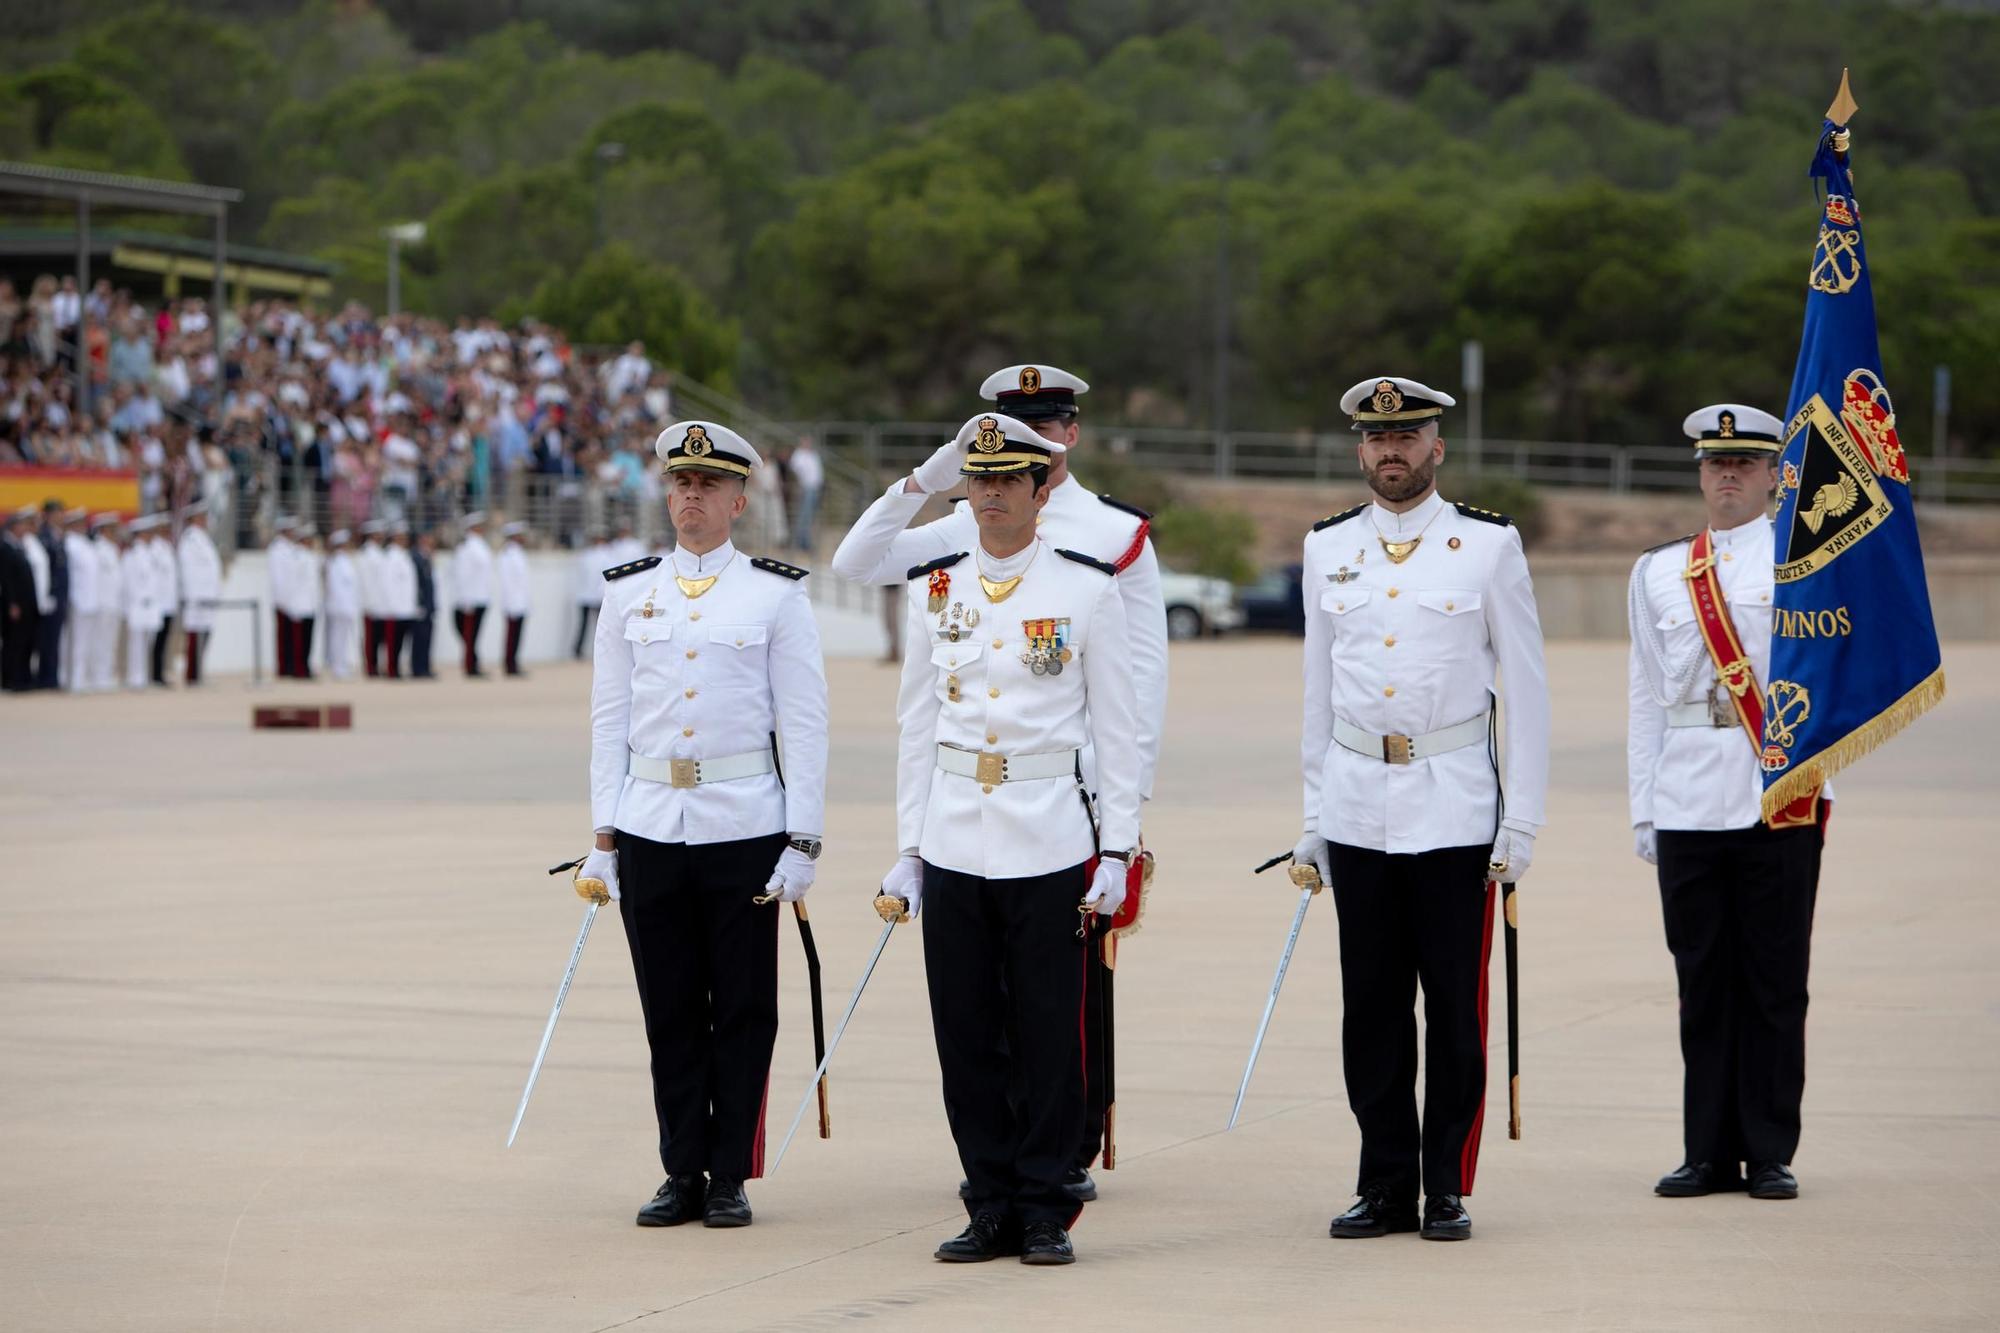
[1468, 1157]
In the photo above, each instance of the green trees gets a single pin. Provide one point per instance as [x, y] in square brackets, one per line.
[856, 207]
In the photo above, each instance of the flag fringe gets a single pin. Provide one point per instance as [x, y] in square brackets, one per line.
[1808, 777]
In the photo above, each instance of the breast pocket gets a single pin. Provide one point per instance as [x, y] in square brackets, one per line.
[1348, 610]
[1450, 622]
[640, 631]
[740, 652]
[956, 665]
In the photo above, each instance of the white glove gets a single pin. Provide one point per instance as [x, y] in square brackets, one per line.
[792, 876]
[1312, 851]
[601, 865]
[939, 472]
[905, 880]
[1107, 887]
[1646, 844]
[1513, 851]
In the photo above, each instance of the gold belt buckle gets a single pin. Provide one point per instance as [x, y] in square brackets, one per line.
[990, 768]
[1721, 709]
[1395, 749]
[687, 772]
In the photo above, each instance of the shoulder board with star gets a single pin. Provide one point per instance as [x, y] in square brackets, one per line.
[1483, 515]
[1102, 566]
[1663, 546]
[1133, 510]
[633, 567]
[1341, 517]
[779, 567]
[933, 566]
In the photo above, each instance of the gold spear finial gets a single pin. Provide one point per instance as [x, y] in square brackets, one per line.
[1843, 107]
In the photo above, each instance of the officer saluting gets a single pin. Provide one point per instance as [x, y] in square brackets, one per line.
[881, 546]
[1014, 661]
[705, 663]
[1412, 604]
[1737, 893]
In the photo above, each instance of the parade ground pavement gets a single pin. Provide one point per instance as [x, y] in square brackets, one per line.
[267, 1000]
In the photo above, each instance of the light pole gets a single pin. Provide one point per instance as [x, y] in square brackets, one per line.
[1219, 403]
[400, 235]
[601, 160]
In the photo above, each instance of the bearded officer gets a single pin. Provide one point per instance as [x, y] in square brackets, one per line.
[1413, 606]
[1737, 893]
[881, 546]
[706, 663]
[1015, 660]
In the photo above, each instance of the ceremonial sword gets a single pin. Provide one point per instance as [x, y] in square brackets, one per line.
[893, 911]
[594, 890]
[1511, 917]
[818, 1009]
[1307, 878]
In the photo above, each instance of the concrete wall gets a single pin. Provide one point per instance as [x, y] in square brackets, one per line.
[547, 636]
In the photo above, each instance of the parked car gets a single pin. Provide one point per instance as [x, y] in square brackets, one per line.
[1197, 605]
[1275, 602]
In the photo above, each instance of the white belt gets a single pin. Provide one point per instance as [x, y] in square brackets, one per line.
[1702, 713]
[1409, 749]
[987, 767]
[699, 772]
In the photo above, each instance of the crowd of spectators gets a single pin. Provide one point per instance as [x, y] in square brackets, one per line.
[340, 417]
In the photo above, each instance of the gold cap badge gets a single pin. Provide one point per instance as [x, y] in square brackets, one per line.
[1726, 426]
[1388, 398]
[990, 439]
[696, 443]
[1031, 379]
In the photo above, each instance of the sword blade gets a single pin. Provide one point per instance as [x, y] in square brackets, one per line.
[1271, 1003]
[812, 1088]
[1511, 926]
[562, 993]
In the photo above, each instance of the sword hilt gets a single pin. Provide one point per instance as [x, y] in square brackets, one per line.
[891, 908]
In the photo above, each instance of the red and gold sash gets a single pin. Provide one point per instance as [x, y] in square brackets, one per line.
[1733, 669]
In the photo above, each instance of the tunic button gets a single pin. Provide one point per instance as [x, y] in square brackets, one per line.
[993, 694]
[690, 654]
[1389, 691]
[1451, 606]
[739, 643]
[954, 662]
[1389, 642]
[1393, 591]
[645, 638]
[689, 694]
[996, 643]
[694, 615]
[1340, 606]
[687, 731]
[1727, 556]
[992, 738]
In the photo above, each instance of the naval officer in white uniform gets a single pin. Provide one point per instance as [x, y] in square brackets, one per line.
[1417, 612]
[1014, 662]
[707, 790]
[881, 546]
[1737, 893]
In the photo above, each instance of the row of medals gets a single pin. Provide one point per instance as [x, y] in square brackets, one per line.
[1045, 654]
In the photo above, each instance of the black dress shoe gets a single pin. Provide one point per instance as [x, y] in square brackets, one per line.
[987, 1236]
[1046, 1243]
[1079, 1186]
[1373, 1214]
[1772, 1180]
[678, 1201]
[1445, 1218]
[726, 1205]
[1692, 1180]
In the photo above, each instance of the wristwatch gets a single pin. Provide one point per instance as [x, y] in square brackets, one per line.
[1125, 856]
[807, 847]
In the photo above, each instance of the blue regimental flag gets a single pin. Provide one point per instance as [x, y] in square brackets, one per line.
[1854, 652]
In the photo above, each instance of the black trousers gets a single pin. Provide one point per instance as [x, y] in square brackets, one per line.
[1005, 965]
[1739, 908]
[470, 618]
[586, 612]
[304, 626]
[1408, 920]
[392, 648]
[160, 637]
[17, 648]
[420, 646]
[514, 624]
[706, 960]
[287, 642]
[48, 647]
[371, 644]
[197, 644]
